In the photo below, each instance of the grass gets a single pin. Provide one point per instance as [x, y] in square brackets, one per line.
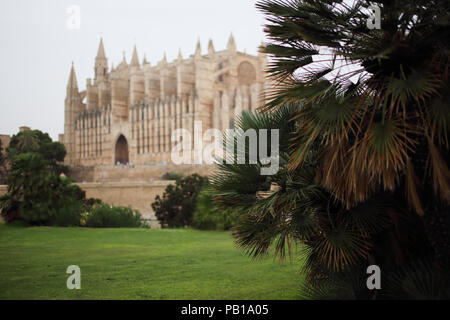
[136, 264]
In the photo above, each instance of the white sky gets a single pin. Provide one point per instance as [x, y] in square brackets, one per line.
[37, 48]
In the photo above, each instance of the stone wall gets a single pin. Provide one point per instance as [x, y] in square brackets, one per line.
[135, 173]
[137, 195]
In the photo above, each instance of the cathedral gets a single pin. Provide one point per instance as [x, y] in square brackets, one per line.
[127, 113]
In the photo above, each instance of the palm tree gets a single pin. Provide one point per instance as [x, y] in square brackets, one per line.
[290, 208]
[364, 154]
[337, 244]
[27, 141]
[375, 102]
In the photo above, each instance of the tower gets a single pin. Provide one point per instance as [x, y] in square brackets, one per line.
[71, 108]
[101, 63]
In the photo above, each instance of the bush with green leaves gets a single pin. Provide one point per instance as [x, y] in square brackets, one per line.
[172, 176]
[176, 207]
[39, 196]
[102, 215]
[91, 202]
[208, 217]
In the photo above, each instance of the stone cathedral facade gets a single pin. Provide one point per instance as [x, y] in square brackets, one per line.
[127, 113]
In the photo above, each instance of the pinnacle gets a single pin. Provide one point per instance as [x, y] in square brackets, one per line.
[101, 50]
[72, 78]
[198, 49]
[134, 59]
[231, 43]
[211, 46]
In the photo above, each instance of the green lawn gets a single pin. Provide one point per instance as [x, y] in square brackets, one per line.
[136, 264]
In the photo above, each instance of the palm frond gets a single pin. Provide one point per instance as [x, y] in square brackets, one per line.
[418, 281]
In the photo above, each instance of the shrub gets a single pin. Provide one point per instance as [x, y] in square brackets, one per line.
[18, 224]
[208, 217]
[105, 216]
[171, 176]
[176, 207]
[92, 201]
[68, 215]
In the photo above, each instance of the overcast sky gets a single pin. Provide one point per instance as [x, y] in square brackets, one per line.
[37, 46]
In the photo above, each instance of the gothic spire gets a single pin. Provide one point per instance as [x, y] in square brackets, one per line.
[231, 46]
[101, 63]
[72, 79]
[134, 60]
[101, 50]
[180, 56]
[211, 47]
[198, 49]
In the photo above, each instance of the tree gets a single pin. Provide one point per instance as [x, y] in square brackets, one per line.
[38, 195]
[37, 141]
[291, 208]
[376, 101]
[3, 168]
[27, 141]
[176, 207]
